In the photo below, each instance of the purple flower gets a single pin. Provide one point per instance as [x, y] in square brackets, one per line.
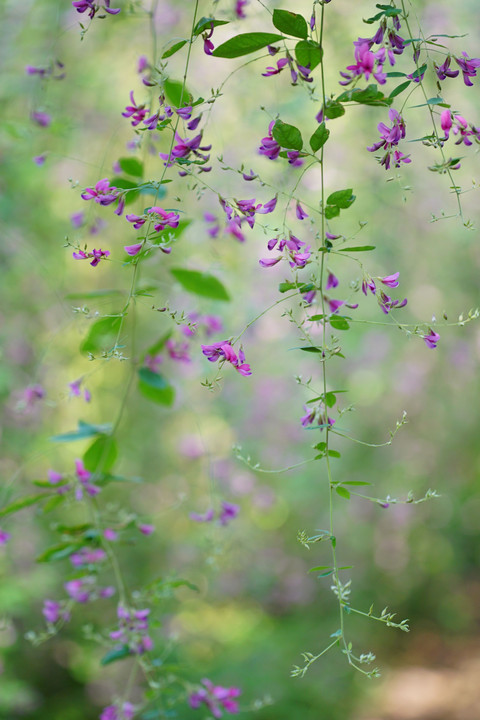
[390, 137]
[432, 338]
[54, 477]
[468, 66]
[77, 219]
[97, 255]
[228, 512]
[269, 147]
[133, 249]
[365, 65]
[332, 281]
[446, 122]
[102, 193]
[84, 476]
[4, 537]
[368, 284]
[390, 280]
[300, 212]
[208, 46]
[136, 112]
[275, 71]
[110, 534]
[146, 529]
[387, 304]
[40, 159]
[216, 698]
[111, 712]
[133, 630]
[31, 395]
[223, 350]
[206, 517]
[41, 118]
[239, 8]
[87, 556]
[153, 362]
[178, 351]
[443, 71]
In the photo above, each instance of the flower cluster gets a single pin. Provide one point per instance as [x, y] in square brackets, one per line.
[385, 301]
[228, 512]
[459, 127]
[97, 255]
[114, 712]
[85, 589]
[371, 63]
[297, 252]
[133, 630]
[92, 8]
[216, 698]
[223, 351]
[316, 413]
[390, 137]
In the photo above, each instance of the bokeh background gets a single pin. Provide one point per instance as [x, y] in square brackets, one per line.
[256, 608]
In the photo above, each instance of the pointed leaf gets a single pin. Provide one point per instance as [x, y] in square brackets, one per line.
[290, 23]
[319, 137]
[154, 387]
[308, 53]
[205, 23]
[101, 455]
[343, 492]
[341, 198]
[102, 335]
[21, 503]
[84, 431]
[116, 654]
[288, 136]
[200, 283]
[245, 44]
[173, 49]
[399, 89]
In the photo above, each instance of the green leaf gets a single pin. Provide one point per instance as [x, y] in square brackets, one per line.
[124, 184]
[173, 49]
[21, 503]
[319, 137]
[53, 502]
[343, 492]
[290, 23]
[176, 94]
[131, 166]
[154, 387]
[316, 318]
[102, 335]
[58, 552]
[357, 248]
[333, 109]
[356, 482]
[341, 198]
[332, 211]
[322, 446]
[200, 283]
[245, 44]
[84, 431]
[308, 53]
[369, 96]
[419, 72]
[334, 454]
[288, 136]
[399, 89]
[101, 455]
[310, 349]
[205, 23]
[330, 399]
[395, 74]
[320, 567]
[339, 323]
[302, 287]
[116, 654]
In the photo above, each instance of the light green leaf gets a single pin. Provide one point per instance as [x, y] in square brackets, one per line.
[131, 166]
[21, 503]
[174, 48]
[101, 455]
[200, 283]
[84, 431]
[102, 335]
[343, 492]
[154, 387]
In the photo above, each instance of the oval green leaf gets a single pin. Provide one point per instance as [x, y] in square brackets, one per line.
[200, 283]
[319, 137]
[288, 136]
[290, 23]
[245, 44]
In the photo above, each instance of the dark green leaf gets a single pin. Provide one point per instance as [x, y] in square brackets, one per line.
[332, 211]
[302, 288]
[399, 89]
[343, 492]
[84, 431]
[124, 184]
[310, 349]
[339, 323]
[101, 455]
[53, 502]
[174, 48]
[58, 552]
[419, 72]
[319, 137]
[320, 567]
[341, 198]
[333, 109]
[205, 23]
[131, 166]
[395, 74]
[244, 44]
[288, 136]
[102, 335]
[369, 96]
[290, 23]
[308, 53]
[116, 654]
[358, 248]
[21, 503]
[200, 283]
[154, 387]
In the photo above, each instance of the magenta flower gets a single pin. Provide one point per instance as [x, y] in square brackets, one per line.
[390, 137]
[468, 66]
[431, 339]
[110, 534]
[391, 280]
[4, 537]
[269, 147]
[97, 255]
[133, 630]
[51, 611]
[113, 712]
[54, 477]
[31, 395]
[367, 63]
[228, 512]
[332, 281]
[42, 119]
[216, 698]
[146, 529]
[82, 6]
[205, 517]
[387, 304]
[223, 350]
[87, 556]
[368, 284]
[208, 46]
[443, 71]
[300, 212]
[446, 122]
[134, 111]
[40, 159]
[153, 362]
[178, 351]
[102, 193]
[84, 477]
[275, 71]
[239, 8]
[133, 249]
